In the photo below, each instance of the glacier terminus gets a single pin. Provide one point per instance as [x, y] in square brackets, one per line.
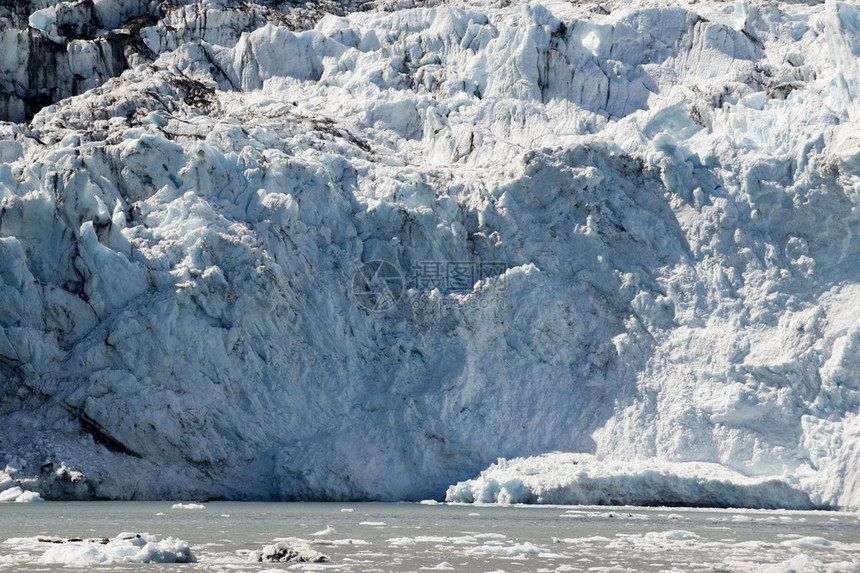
[225, 225]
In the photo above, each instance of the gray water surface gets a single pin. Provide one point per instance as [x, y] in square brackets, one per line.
[415, 537]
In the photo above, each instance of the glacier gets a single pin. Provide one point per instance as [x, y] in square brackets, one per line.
[667, 191]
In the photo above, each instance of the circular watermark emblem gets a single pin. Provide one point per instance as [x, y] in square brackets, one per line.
[377, 285]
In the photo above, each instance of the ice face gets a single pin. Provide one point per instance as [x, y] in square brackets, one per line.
[645, 222]
[580, 479]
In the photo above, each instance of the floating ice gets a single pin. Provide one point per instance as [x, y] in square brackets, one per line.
[808, 543]
[443, 566]
[329, 530]
[526, 548]
[454, 540]
[17, 494]
[187, 506]
[125, 548]
[289, 551]
[674, 534]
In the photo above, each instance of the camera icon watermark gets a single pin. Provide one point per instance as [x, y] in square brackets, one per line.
[377, 286]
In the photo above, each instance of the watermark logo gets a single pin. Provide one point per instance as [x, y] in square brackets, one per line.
[377, 286]
[454, 276]
[425, 301]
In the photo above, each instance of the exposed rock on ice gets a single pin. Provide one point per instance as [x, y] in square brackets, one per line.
[125, 548]
[53, 50]
[664, 199]
[581, 479]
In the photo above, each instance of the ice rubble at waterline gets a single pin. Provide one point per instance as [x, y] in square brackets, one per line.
[672, 190]
[579, 479]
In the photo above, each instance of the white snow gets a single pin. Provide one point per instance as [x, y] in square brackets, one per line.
[668, 194]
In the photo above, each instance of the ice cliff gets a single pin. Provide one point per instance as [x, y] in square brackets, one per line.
[651, 209]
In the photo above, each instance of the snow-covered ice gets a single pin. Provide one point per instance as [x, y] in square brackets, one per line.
[124, 548]
[653, 208]
[289, 551]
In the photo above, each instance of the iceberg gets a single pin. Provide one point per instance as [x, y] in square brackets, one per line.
[18, 495]
[623, 230]
[187, 506]
[580, 479]
[290, 550]
[125, 548]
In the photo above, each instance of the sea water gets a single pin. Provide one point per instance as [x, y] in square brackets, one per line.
[422, 537]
